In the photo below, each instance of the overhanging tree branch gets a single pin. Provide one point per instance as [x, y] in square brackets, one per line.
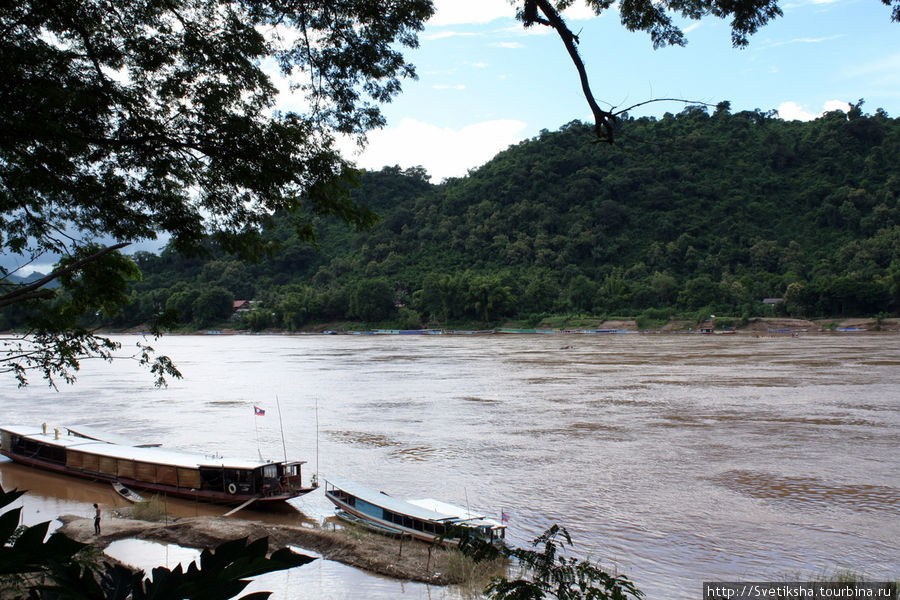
[604, 121]
[32, 290]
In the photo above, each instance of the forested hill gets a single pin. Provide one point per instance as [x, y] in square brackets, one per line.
[695, 212]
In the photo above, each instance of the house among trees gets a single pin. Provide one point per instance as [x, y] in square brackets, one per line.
[241, 306]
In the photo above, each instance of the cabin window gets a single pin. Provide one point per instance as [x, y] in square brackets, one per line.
[31, 448]
[270, 471]
[53, 454]
[369, 509]
[212, 478]
[290, 470]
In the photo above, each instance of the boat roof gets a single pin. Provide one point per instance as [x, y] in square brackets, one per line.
[177, 458]
[387, 502]
[464, 515]
[105, 436]
[428, 508]
[458, 512]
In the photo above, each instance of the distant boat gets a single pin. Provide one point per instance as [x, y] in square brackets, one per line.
[153, 469]
[427, 520]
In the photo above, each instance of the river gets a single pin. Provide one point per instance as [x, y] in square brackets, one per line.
[674, 459]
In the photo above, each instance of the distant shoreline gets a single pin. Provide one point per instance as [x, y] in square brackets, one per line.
[755, 327]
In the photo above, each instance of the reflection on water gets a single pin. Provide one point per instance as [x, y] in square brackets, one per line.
[320, 579]
[146, 555]
[675, 459]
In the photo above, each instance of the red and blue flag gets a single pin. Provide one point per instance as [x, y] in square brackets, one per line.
[258, 411]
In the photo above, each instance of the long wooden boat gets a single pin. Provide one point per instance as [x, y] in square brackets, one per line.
[427, 520]
[152, 468]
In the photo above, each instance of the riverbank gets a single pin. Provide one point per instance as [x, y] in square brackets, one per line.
[589, 326]
[400, 559]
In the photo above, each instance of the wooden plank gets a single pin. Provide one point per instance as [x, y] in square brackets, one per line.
[244, 505]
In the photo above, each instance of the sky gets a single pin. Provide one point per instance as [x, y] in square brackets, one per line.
[486, 83]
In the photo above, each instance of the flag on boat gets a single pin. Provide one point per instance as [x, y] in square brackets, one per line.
[504, 518]
[258, 411]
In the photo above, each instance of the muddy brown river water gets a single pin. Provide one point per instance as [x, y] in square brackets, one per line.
[675, 459]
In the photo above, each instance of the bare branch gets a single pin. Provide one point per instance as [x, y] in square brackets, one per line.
[604, 121]
[682, 100]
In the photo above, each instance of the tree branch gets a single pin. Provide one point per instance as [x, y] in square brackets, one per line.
[32, 290]
[604, 121]
[626, 109]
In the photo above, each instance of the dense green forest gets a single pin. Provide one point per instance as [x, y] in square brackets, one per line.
[705, 211]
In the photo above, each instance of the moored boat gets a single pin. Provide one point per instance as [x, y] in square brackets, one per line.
[428, 520]
[152, 468]
[126, 494]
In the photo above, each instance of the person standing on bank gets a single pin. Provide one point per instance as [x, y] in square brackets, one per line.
[97, 520]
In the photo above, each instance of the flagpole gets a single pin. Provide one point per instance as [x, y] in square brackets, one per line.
[256, 427]
[317, 441]
[281, 425]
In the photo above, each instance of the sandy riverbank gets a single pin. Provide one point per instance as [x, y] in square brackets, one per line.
[405, 560]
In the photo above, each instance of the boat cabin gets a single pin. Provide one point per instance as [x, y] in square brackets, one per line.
[157, 469]
[425, 519]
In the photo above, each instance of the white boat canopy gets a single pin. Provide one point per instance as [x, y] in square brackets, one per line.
[426, 509]
[175, 458]
[390, 503]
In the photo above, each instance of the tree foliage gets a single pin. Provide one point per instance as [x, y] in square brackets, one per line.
[55, 568]
[547, 572]
[749, 207]
[127, 120]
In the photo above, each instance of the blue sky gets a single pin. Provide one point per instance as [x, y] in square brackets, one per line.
[485, 83]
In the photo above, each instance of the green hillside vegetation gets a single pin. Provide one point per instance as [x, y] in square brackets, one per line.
[691, 214]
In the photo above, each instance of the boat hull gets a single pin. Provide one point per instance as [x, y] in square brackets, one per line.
[153, 469]
[383, 526]
[426, 520]
[212, 496]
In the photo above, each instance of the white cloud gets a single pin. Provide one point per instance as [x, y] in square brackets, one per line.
[444, 152]
[478, 12]
[445, 86]
[457, 12]
[791, 111]
[439, 35]
[804, 40]
[579, 11]
[883, 71]
[509, 45]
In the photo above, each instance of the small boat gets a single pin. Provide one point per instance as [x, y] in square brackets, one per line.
[152, 468]
[428, 520]
[125, 493]
[343, 515]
